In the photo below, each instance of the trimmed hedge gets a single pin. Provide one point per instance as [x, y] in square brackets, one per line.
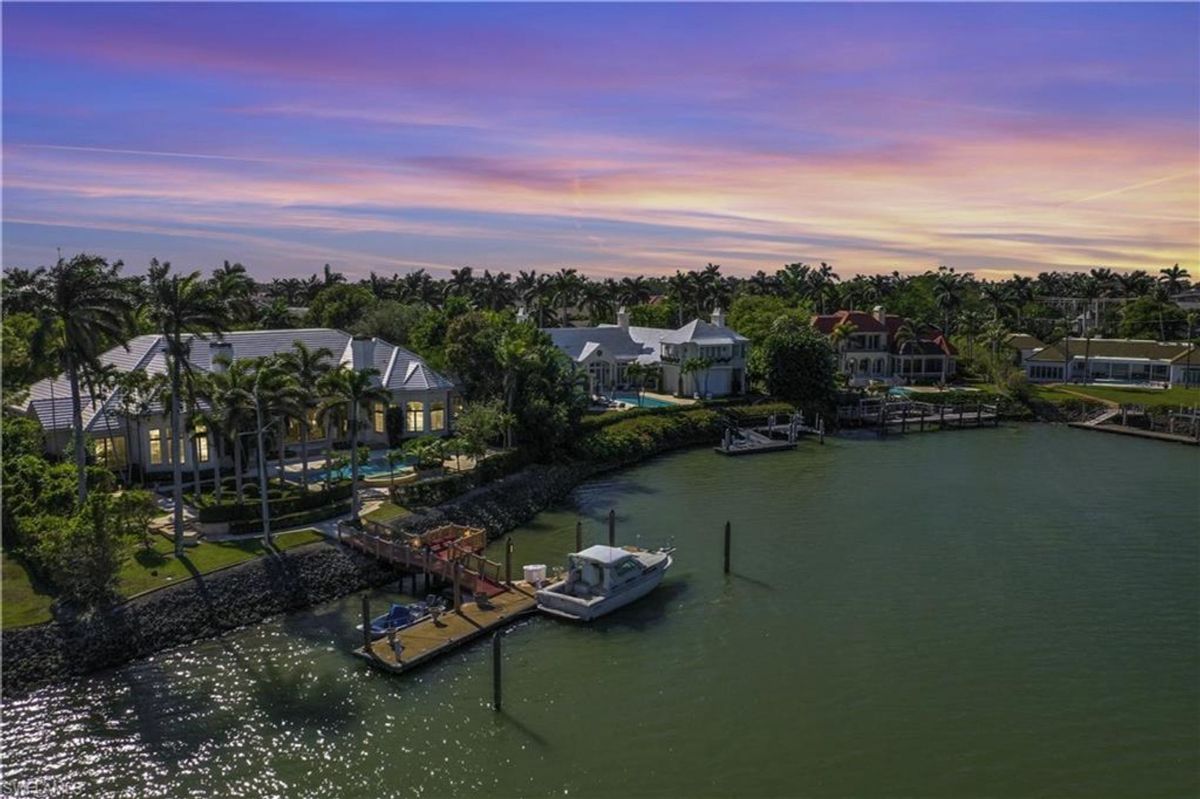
[247, 526]
[230, 511]
[441, 489]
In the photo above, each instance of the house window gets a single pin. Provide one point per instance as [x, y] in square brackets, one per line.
[437, 416]
[158, 454]
[414, 417]
[200, 444]
[380, 417]
[110, 452]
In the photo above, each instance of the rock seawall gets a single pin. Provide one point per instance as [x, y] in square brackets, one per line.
[214, 604]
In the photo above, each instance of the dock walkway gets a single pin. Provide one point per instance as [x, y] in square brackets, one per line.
[428, 639]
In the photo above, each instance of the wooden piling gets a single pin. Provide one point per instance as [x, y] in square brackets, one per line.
[496, 671]
[458, 588]
[366, 611]
[612, 528]
[426, 571]
[821, 429]
[727, 537]
[578, 535]
[508, 550]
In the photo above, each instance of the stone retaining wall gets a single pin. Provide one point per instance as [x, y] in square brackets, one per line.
[214, 604]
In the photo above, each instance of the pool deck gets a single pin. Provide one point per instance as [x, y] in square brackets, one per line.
[427, 640]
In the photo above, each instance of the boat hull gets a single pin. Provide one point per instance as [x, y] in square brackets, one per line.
[576, 609]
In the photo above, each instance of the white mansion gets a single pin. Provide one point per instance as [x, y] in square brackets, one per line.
[144, 435]
[607, 351]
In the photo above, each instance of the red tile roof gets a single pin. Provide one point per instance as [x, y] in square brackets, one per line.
[865, 322]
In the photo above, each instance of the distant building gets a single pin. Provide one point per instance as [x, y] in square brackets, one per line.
[424, 396]
[1115, 360]
[606, 352]
[875, 351]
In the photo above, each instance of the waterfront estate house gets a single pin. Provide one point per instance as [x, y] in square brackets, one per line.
[606, 352]
[1115, 360]
[122, 432]
[870, 347]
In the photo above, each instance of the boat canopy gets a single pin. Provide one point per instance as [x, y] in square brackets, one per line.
[598, 553]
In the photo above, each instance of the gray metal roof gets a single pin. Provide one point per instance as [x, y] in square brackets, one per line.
[50, 399]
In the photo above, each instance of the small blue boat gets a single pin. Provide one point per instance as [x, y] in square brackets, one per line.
[398, 617]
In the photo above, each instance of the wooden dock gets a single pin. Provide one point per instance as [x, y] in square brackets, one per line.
[1125, 430]
[910, 416]
[428, 639]
[774, 436]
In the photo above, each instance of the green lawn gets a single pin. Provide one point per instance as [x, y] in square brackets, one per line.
[24, 602]
[1129, 396]
[386, 513]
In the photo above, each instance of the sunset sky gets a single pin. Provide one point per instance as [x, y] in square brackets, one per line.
[632, 139]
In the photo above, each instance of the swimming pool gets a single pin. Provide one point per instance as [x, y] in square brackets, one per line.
[646, 402]
[375, 467]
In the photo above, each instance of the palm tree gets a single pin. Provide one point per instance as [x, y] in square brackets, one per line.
[695, 364]
[134, 387]
[1021, 291]
[181, 305]
[948, 296]
[230, 396]
[235, 289]
[514, 354]
[567, 286]
[308, 366]
[999, 296]
[906, 337]
[394, 457]
[971, 323]
[680, 288]
[82, 307]
[271, 383]
[637, 373]
[633, 291]
[1174, 278]
[840, 338]
[353, 390]
[1089, 291]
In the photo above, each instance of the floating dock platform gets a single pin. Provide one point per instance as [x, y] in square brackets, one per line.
[750, 442]
[428, 639]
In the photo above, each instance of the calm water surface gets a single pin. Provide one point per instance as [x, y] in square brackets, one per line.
[1011, 612]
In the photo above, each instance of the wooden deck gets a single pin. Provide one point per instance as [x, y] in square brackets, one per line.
[1137, 432]
[427, 640]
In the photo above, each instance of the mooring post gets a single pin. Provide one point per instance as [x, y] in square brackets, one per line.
[426, 571]
[727, 536]
[612, 528]
[508, 550]
[578, 535]
[496, 672]
[366, 609]
[457, 588]
[821, 429]
[942, 419]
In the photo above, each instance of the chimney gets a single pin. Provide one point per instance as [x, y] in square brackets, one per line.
[622, 317]
[362, 353]
[718, 316]
[218, 351]
[881, 314]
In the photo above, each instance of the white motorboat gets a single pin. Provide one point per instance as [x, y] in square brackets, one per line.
[601, 579]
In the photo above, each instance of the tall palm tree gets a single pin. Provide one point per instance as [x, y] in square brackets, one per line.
[82, 307]
[1174, 278]
[235, 289]
[182, 307]
[272, 385]
[840, 338]
[906, 337]
[308, 366]
[355, 391]
[134, 387]
[1089, 290]
[696, 364]
[1020, 289]
[230, 396]
[970, 322]
[948, 296]
[567, 286]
